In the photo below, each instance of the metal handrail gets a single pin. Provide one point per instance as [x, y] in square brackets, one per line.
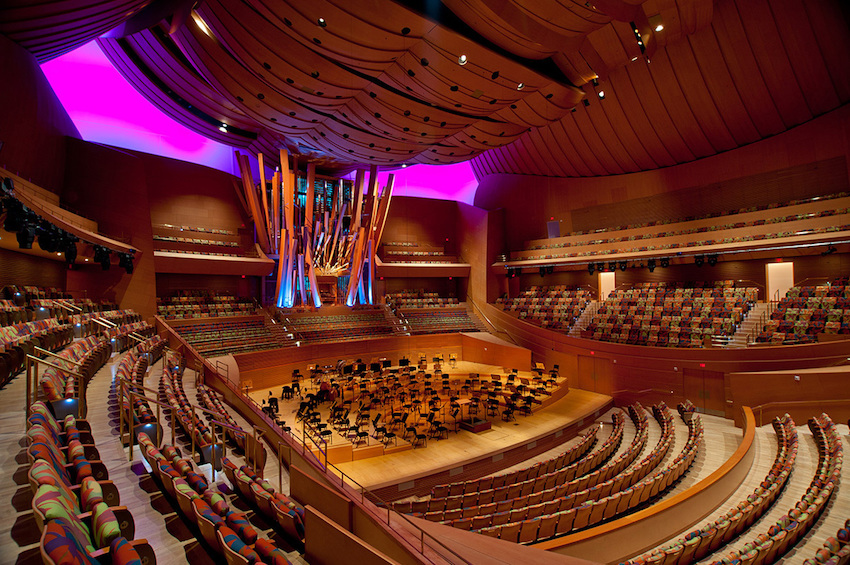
[767, 405]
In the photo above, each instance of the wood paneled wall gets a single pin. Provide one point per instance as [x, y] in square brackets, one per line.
[167, 284]
[33, 123]
[23, 269]
[530, 201]
[111, 186]
[423, 221]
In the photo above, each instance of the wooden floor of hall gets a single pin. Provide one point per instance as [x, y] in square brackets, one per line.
[397, 468]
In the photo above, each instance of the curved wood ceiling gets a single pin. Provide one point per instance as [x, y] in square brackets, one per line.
[379, 82]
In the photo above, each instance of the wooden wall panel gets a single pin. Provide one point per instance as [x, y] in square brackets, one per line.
[529, 202]
[111, 187]
[423, 221]
[168, 284]
[33, 123]
[22, 269]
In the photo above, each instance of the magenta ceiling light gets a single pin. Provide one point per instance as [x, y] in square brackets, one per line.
[107, 109]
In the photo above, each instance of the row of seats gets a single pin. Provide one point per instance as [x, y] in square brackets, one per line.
[444, 320]
[807, 311]
[572, 240]
[418, 299]
[180, 311]
[127, 335]
[793, 526]
[592, 512]
[171, 389]
[84, 357]
[699, 543]
[213, 339]
[76, 507]
[555, 307]
[496, 509]
[195, 240]
[225, 530]
[209, 400]
[771, 206]
[276, 506]
[671, 315]
[835, 550]
[341, 327]
[20, 340]
[544, 468]
[198, 229]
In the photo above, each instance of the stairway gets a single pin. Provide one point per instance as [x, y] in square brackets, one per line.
[585, 319]
[750, 323]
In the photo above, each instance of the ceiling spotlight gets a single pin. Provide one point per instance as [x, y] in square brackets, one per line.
[590, 268]
[222, 128]
[601, 94]
[462, 60]
[623, 265]
[659, 27]
[102, 256]
[594, 81]
[125, 261]
[600, 267]
[634, 59]
[612, 266]
[712, 259]
[699, 260]
[665, 262]
[520, 86]
[404, 165]
[70, 250]
[322, 22]
[651, 265]
[25, 236]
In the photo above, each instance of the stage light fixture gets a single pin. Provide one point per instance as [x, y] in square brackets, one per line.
[651, 265]
[125, 261]
[102, 256]
[26, 235]
[665, 262]
[590, 268]
[699, 260]
[15, 215]
[70, 249]
[612, 266]
[600, 267]
[623, 265]
[712, 259]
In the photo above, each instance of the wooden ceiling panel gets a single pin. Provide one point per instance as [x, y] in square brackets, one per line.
[772, 58]
[377, 81]
[801, 47]
[698, 98]
[50, 28]
[722, 88]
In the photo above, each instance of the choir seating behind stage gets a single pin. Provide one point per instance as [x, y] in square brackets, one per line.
[672, 314]
[216, 338]
[553, 307]
[808, 311]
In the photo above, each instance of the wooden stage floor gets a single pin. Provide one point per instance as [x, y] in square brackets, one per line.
[397, 472]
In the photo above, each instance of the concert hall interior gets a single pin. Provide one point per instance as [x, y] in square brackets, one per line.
[424, 281]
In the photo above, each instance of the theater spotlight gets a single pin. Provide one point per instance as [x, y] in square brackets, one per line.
[26, 235]
[8, 185]
[102, 256]
[15, 215]
[69, 247]
[48, 237]
[542, 271]
[623, 265]
[699, 260]
[590, 268]
[665, 262]
[600, 267]
[651, 265]
[612, 266]
[712, 259]
[125, 261]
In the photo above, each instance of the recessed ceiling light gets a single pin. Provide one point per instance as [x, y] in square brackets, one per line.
[520, 86]
[659, 27]
[404, 165]
[322, 22]
[462, 60]
[634, 59]
[602, 95]
[223, 128]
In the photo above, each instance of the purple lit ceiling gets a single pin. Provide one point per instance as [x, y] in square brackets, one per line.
[345, 83]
